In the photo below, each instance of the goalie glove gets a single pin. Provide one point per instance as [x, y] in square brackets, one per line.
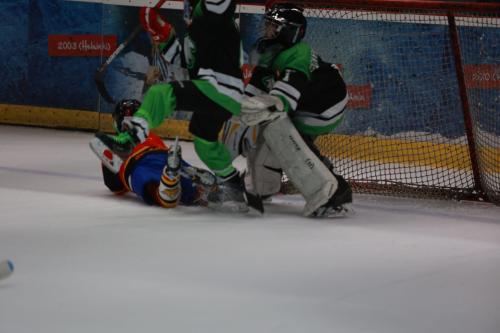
[261, 109]
[159, 28]
[137, 127]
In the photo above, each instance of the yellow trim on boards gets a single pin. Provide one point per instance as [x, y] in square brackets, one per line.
[437, 155]
[78, 119]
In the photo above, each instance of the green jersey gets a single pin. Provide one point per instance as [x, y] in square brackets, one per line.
[313, 91]
[213, 53]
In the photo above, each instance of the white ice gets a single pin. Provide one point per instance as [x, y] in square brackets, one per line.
[89, 261]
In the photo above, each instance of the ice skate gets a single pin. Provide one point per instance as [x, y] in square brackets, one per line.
[229, 194]
[339, 203]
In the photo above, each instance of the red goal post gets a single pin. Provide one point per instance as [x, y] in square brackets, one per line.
[424, 82]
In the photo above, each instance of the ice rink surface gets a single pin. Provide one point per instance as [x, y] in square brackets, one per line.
[88, 261]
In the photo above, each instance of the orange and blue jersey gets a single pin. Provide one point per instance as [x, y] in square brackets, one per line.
[141, 172]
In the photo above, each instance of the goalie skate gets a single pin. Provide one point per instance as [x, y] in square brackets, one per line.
[339, 203]
[332, 212]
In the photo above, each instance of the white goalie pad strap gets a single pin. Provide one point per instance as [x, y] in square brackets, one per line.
[264, 171]
[306, 171]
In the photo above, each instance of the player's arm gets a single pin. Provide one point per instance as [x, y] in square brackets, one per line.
[293, 68]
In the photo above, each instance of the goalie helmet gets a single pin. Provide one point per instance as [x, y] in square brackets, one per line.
[124, 108]
[286, 23]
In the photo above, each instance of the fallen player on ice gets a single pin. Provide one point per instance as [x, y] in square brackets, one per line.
[154, 172]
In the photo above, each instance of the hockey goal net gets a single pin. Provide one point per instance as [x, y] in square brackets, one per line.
[424, 82]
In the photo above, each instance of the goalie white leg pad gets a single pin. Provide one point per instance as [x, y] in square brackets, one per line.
[264, 171]
[306, 171]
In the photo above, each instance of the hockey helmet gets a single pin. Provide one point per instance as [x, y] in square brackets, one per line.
[124, 108]
[286, 23]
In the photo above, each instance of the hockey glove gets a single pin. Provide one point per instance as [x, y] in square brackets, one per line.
[137, 128]
[159, 28]
[261, 109]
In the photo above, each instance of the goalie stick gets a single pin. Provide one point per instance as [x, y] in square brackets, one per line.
[101, 71]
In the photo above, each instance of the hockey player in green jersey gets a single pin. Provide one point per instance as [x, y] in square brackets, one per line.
[212, 52]
[290, 77]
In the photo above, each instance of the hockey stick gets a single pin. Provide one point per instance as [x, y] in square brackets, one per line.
[101, 71]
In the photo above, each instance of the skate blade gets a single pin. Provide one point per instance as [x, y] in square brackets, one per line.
[255, 202]
[345, 210]
[338, 212]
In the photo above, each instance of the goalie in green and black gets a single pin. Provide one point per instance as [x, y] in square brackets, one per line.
[313, 91]
[212, 54]
[290, 76]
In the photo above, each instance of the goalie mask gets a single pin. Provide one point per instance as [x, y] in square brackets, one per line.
[124, 108]
[285, 23]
